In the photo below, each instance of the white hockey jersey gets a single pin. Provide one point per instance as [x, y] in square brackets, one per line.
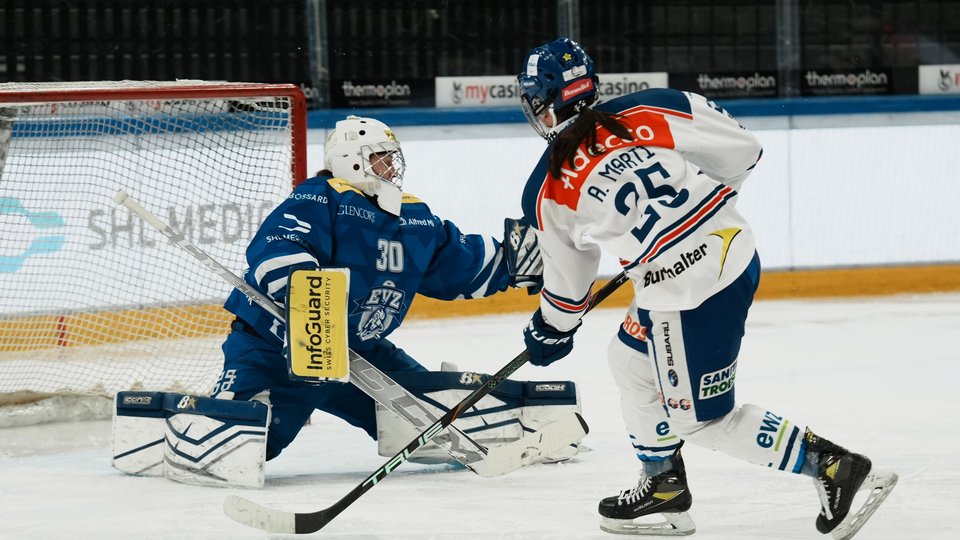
[663, 203]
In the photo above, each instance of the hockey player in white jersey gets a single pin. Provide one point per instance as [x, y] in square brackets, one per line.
[653, 178]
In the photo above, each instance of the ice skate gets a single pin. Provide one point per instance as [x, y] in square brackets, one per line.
[841, 476]
[664, 496]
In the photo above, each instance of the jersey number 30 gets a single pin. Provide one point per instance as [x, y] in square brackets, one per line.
[391, 256]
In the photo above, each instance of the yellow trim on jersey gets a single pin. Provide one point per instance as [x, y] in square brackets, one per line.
[340, 185]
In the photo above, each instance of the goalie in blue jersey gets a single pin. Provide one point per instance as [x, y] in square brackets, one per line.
[351, 215]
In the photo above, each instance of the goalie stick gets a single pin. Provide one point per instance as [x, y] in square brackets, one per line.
[382, 388]
[255, 515]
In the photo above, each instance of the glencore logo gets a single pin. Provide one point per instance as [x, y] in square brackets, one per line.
[577, 88]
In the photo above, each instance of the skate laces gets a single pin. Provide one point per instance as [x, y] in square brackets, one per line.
[824, 492]
[632, 495]
[823, 482]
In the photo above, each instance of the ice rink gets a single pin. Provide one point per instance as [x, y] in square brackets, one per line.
[876, 375]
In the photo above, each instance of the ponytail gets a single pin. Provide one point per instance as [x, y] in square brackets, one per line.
[583, 130]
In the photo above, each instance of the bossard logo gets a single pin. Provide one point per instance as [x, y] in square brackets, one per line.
[382, 305]
[718, 382]
[39, 243]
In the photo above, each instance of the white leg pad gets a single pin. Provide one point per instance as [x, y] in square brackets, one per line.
[394, 434]
[138, 421]
[189, 439]
[216, 442]
[518, 409]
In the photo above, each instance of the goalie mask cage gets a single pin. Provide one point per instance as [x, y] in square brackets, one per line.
[93, 300]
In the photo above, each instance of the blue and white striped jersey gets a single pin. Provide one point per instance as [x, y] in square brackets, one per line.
[327, 223]
[664, 203]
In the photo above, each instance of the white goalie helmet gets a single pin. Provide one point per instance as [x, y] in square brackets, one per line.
[366, 153]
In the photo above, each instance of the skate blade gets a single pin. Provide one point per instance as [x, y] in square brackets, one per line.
[879, 485]
[674, 524]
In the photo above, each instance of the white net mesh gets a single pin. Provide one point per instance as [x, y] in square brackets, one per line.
[93, 300]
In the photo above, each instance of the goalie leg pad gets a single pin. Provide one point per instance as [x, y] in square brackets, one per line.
[189, 439]
[504, 415]
[215, 442]
[138, 421]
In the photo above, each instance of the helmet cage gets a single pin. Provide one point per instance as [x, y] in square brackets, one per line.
[383, 162]
[534, 109]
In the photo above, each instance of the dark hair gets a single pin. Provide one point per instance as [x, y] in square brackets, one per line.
[324, 172]
[583, 130]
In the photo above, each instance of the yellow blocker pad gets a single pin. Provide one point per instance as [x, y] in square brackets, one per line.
[317, 325]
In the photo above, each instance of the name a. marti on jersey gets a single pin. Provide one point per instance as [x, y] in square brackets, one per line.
[687, 260]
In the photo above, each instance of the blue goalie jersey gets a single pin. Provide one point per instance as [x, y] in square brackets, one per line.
[326, 223]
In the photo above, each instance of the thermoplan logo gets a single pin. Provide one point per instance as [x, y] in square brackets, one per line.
[39, 242]
[940, 79]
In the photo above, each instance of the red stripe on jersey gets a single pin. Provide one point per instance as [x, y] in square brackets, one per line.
[567, 306]
[661, 110]
[690, 223]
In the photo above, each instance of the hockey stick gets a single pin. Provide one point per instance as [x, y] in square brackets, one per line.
[363, 374]
[255, 515]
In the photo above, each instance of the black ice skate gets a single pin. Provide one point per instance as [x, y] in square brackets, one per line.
[665, 495]
[841, 475]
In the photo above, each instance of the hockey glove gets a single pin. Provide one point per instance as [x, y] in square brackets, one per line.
[545, 343]
[522, 251]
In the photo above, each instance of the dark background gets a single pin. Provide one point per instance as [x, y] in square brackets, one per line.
[400, 46]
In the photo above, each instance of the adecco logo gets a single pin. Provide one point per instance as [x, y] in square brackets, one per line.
[39, 244]
[940, 79]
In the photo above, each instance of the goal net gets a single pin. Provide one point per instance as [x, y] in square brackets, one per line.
[94, 301]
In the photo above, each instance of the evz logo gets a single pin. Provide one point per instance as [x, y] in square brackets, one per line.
[382, 305]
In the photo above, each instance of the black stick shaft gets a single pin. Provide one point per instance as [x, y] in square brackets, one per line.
[314, 521]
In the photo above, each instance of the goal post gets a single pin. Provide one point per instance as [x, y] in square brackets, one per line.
[92, 301]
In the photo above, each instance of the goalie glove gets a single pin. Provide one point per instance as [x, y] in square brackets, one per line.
[521, 248]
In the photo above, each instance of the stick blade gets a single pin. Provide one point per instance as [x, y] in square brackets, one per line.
[251, 514]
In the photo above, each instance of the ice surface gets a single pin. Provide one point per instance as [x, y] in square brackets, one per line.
[876, 375]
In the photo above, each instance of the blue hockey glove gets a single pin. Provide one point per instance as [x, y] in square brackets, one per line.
[522, 251]
[545, 343]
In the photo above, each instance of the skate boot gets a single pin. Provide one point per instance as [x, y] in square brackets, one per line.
[840, 475]
[663, 496]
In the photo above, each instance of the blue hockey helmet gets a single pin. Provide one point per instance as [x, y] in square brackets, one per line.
[555, 76]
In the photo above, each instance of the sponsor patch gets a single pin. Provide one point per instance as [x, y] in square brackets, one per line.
[577, 88]
[718, 382]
